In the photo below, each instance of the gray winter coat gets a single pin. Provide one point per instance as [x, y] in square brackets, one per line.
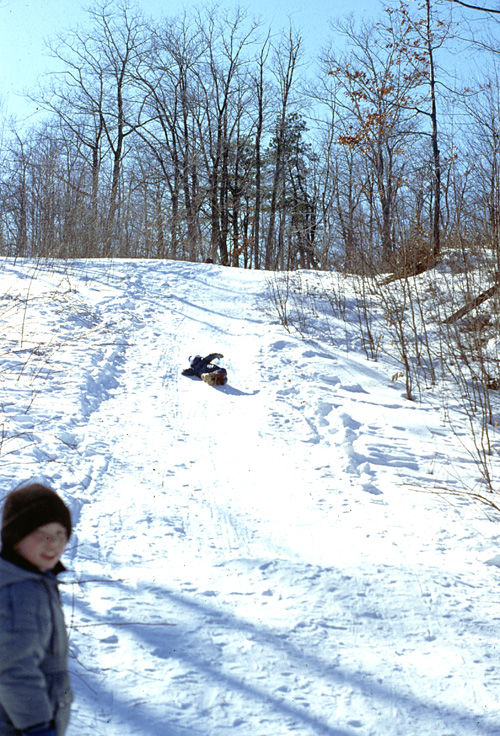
[34, 681]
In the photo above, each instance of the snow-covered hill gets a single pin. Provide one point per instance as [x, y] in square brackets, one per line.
[254, 559]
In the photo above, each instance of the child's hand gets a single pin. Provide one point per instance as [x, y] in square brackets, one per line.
[43, 729]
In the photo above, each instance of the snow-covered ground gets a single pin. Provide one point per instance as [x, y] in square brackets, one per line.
[254, 559]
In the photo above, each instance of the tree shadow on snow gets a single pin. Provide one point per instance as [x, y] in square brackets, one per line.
[185, 644]
[206, 310]
[179, 643]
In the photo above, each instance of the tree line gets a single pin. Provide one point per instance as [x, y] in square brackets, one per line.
[207, 137]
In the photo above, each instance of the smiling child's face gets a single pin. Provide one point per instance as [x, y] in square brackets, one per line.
[44, 547]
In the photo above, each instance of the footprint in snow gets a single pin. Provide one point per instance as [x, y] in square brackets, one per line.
[354, 388]
[357, 464]
[324, 409]
[349, 422]
[366, 476]
[280, 345]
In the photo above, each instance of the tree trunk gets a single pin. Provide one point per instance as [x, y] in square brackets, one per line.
[436, 183]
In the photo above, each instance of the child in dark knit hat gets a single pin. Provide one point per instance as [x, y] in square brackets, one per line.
[35, 693]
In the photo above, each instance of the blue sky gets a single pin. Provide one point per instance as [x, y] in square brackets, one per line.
[25, 24]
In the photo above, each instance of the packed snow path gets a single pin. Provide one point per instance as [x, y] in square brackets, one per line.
[252, 559]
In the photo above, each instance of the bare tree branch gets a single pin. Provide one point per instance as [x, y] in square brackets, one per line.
[475, 7]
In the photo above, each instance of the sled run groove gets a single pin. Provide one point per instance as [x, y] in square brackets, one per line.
[248, 559]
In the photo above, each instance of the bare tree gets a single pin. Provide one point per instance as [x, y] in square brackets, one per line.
[423, 34]
[373, 85]
[260, 90]
[225, 85]
[94, 94]
[167, 76]
[286, 59]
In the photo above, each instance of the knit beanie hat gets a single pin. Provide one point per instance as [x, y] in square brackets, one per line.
[28, 508]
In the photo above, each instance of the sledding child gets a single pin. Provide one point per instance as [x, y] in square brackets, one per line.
[35, 693]
[205, 369]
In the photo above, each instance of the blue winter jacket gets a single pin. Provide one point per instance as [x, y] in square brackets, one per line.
[34, 680]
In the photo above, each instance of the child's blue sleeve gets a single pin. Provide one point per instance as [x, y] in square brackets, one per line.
[25, 630]
[44, 729]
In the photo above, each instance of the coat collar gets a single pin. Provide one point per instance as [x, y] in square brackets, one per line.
[10, 556]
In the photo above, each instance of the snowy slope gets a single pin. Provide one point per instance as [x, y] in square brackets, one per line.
[254, 559]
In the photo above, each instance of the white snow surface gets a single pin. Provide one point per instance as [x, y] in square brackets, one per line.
[267, 558]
